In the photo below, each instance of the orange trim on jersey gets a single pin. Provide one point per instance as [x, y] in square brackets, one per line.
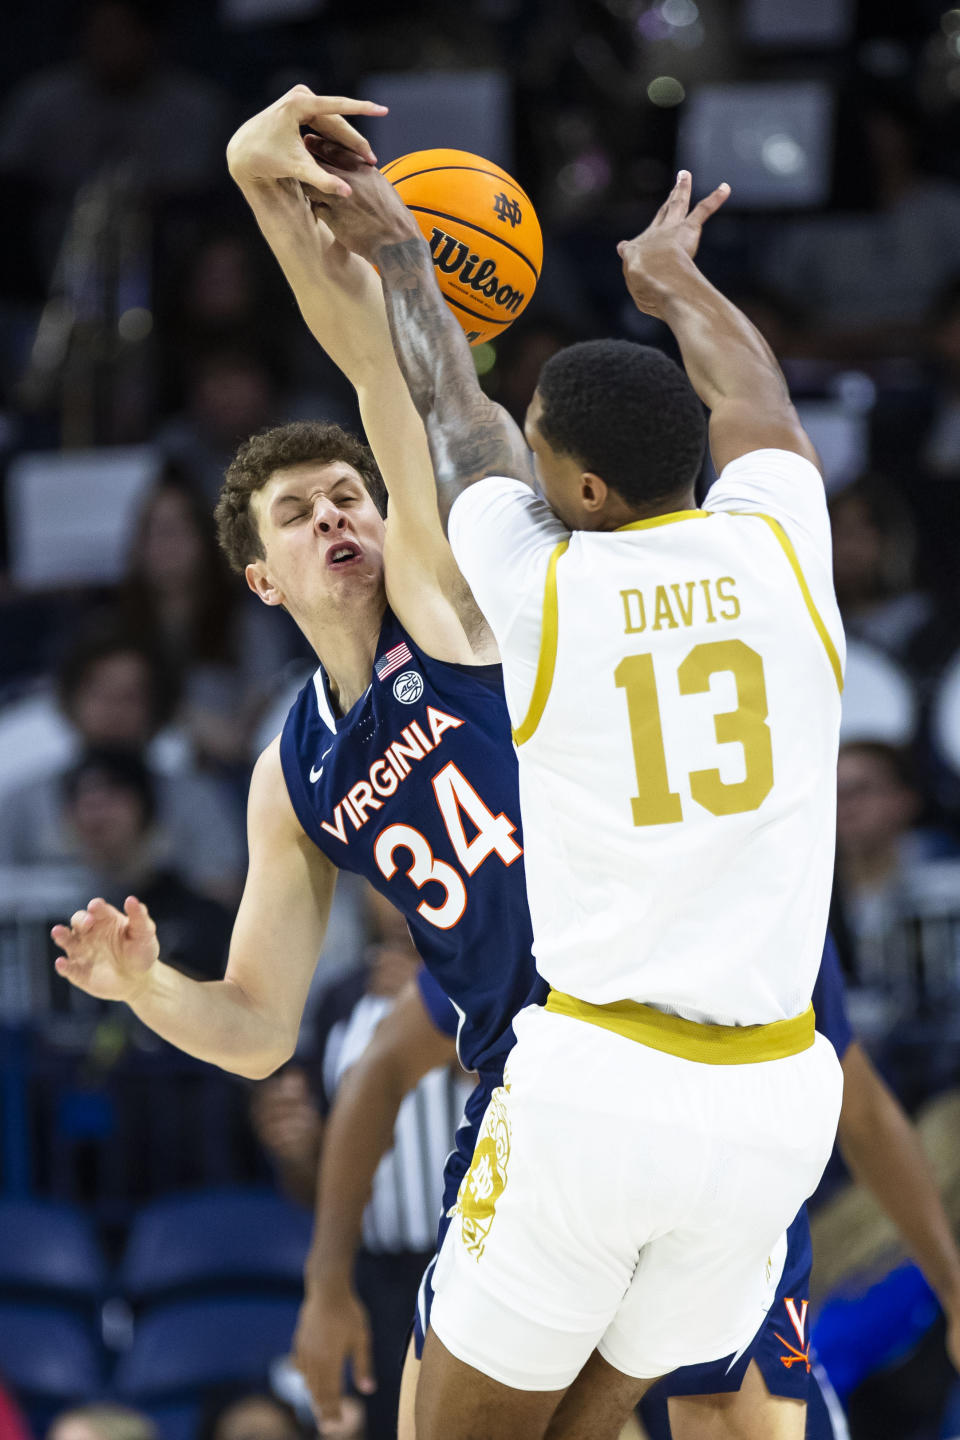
[707, 1044]
[787, 547]
[547, 658]
[671, 518]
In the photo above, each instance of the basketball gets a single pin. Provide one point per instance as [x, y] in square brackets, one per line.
[483, 234]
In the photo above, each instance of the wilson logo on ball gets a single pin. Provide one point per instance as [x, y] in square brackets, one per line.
[452, 257]
[483, 234]
[506, 209]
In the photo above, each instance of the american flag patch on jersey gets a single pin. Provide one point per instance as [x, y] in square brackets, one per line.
[391, 660]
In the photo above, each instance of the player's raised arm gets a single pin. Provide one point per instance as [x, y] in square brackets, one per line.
[359, 1131]
[730, 365]
[285, 179]
[470, 436]
[248, 1022]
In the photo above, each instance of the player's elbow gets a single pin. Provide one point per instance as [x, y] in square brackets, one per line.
[264, 1064]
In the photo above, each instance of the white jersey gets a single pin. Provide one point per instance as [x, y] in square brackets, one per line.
[674, 688]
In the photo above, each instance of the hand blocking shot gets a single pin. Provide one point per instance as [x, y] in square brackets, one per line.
[642, 797]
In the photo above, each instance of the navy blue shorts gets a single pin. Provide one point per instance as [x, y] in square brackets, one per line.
[781, 1346]
[458, 1162]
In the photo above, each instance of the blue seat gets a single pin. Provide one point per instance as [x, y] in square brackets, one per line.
[184, 1347]
[48, 1354]
[178, 1420]
[229, 1239]
[49, 1249]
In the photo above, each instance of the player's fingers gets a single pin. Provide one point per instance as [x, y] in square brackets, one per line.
[61, 935]
[343, 133]
[140, 922]
[80, 921]
[331, 187]
[709, 205]
[677, 202]
[327, 117]
[75, 971]
[364, 1376]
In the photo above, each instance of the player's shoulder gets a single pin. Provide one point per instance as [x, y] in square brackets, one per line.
[269, 803]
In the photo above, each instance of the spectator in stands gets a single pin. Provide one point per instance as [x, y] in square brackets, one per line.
[110, 811]
[244, 1414]
[102, 1421]
[891, 875]
[400, 1221]
[873, 566]
[114, 692]
[119, 101]
[232, 393]
[867, 278]
[180, 601]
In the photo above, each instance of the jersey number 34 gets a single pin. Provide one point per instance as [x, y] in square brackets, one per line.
[456, 798]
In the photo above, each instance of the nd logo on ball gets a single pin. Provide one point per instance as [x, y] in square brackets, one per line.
[483, 234]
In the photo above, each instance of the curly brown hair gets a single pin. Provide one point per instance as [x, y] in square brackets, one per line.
[303, 442]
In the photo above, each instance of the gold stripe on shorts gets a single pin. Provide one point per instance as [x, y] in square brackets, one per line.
[707, 1044]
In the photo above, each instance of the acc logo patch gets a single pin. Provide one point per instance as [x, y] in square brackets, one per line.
[408, 687]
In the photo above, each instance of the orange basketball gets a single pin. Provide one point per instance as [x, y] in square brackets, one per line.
[483, 234]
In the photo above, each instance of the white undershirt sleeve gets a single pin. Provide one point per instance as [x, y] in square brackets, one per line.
[502, 536]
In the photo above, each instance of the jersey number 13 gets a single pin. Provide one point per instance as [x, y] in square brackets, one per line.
[657, 804]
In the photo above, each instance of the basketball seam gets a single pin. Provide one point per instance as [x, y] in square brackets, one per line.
[487, 319]
[490, 234]
[470, 169]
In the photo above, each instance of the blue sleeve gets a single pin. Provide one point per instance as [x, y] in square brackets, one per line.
[438, 1007]
[829, 1001]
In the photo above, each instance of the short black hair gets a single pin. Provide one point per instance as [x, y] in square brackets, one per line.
[120, 770]
[100, 638]
[627, 413]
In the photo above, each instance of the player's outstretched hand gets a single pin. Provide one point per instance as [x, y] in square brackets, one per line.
[332, 1329]
[270, 146]
[650, 259]
[108, 952]
[371, 215]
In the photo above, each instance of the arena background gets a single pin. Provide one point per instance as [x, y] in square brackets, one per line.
[145, 330]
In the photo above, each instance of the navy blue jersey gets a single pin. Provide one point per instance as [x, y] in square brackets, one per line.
[416, 789]
[436, 1004]
[829, 1000]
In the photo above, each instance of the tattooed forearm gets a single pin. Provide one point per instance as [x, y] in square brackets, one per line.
[469, 436]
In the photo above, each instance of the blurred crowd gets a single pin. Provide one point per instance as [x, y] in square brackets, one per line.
[145, 331]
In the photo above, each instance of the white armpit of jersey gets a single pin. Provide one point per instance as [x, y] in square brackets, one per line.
[784, 485]
[502, 535]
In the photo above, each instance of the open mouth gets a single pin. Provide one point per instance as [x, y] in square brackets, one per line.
[343, 554]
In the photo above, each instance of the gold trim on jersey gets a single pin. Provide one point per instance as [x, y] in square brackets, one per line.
[787, 546]
[707, 1044]
[671, 518]
[547, 658]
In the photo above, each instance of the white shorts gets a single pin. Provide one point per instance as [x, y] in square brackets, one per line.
[623, 1199]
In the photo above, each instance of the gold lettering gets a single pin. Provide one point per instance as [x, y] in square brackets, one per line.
[686, 610]
[728, 599]
[635, 596]
[662, 611]
[711, 618]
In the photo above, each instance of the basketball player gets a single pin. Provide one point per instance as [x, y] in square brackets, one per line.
[395, 761]
[673, 677]
[876, 1138]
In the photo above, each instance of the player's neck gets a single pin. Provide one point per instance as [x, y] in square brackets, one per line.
[346, 644]
[616, 512]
